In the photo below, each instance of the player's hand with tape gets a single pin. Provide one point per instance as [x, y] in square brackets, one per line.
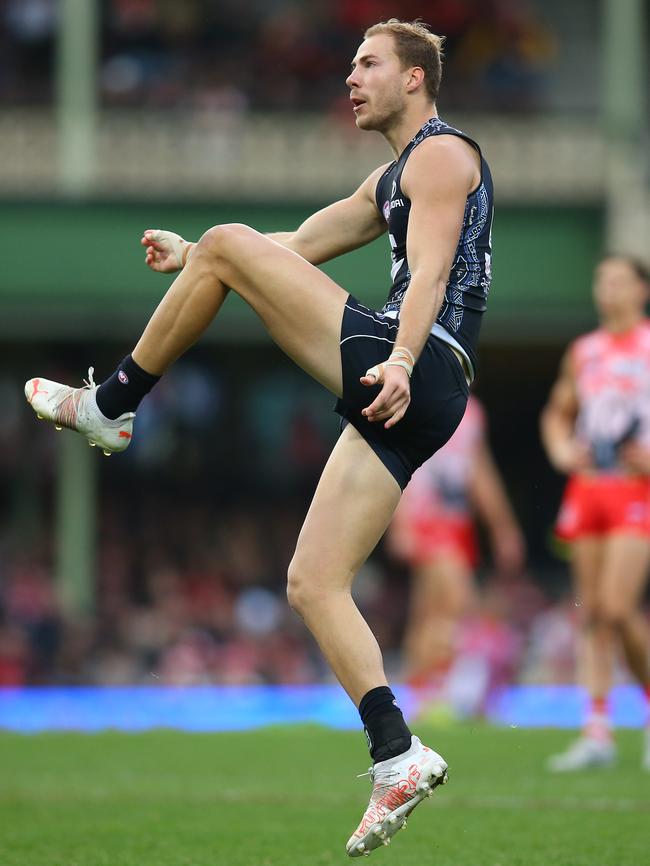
[167, 252]
[394, 374]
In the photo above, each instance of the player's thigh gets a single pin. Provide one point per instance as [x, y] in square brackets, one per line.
[624, 573]
[301, 307]
[352, 506]
[587, 556]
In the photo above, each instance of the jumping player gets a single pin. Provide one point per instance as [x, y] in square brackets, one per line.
[401, 375]
[596, 429]
[433, 530]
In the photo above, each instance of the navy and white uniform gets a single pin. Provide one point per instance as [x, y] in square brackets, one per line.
[438, 386]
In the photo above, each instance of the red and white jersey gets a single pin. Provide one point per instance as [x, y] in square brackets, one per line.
[441, 484]
[613, 387]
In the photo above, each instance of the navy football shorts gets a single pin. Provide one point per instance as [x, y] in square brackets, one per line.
[439, 392]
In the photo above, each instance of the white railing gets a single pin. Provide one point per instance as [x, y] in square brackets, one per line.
[178, 155]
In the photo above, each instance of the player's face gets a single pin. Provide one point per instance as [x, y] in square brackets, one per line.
[377, 84]
[617, 289]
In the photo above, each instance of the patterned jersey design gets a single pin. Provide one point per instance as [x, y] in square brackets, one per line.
[471, 273]
[613, 388]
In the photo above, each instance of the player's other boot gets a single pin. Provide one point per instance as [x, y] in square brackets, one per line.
[586, 753]
[398, 786]
[76, 408]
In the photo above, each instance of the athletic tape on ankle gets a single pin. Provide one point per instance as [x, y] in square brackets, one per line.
[399, 357]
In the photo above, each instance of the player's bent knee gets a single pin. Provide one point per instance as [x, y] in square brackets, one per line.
[306, 589]
[297, 588]
[220, 240]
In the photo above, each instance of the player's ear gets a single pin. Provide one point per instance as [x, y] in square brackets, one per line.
[416, 78]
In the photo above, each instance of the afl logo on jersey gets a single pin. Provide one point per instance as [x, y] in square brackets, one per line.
[386, 210]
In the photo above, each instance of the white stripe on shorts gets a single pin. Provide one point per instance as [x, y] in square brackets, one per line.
[380, 321]
[366, 336]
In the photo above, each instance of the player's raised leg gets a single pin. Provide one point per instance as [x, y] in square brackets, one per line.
[351, 509]
[301, 307]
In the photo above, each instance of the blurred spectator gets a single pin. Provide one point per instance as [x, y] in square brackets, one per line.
[204, 603]
[236, 55]
[14, 656]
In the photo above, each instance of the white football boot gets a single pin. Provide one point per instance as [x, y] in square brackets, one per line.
[585, 753]
[76, 408]
[398, 786]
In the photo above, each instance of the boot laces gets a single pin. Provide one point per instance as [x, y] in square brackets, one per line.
[90, 382]
[89, 385]
[382, 779]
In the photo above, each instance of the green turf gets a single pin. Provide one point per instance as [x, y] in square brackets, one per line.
[289, 797]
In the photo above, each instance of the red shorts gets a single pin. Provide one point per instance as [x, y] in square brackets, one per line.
[604, 504]
[444, 535]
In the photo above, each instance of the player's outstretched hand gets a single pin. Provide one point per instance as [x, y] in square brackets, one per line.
[392, 401]
[167, 252]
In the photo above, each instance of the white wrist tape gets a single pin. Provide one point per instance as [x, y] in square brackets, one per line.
[399, 357]
[178, 246]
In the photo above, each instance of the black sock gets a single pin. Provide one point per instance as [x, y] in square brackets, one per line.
[387, 732]
[123, 391]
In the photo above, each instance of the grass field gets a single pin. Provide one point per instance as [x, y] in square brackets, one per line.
[289, 797]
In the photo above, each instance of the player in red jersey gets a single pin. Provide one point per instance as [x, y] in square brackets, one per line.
[596, 429]
[434, 532]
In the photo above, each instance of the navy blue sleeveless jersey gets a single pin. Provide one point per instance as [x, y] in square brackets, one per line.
[470, 275]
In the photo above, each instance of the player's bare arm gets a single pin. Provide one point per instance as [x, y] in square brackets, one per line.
[438, 177]
[557, 423]
[338, 228]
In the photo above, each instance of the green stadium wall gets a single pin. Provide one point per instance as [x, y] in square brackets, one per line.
[72, 266]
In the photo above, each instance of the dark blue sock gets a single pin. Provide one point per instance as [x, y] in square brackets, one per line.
[387, 732]
[123, 391]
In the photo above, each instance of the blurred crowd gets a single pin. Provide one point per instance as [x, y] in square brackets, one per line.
[194, 541]
[275, 55]
[192, 594]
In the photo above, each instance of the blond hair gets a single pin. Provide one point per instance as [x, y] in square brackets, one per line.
[415, 45]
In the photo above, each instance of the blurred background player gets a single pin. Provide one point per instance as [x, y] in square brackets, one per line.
[596, 429]
[434, 532]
